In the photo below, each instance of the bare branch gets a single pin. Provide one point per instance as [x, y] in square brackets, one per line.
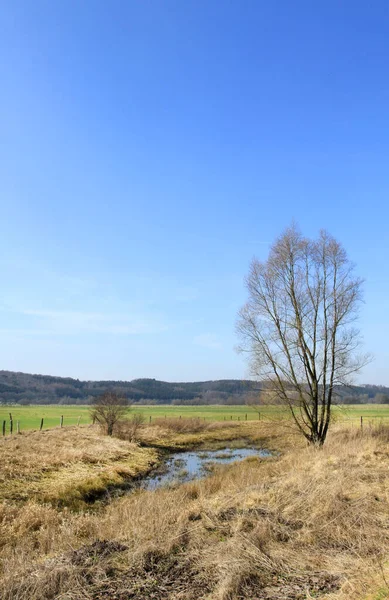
[297, 325]
[108, 409]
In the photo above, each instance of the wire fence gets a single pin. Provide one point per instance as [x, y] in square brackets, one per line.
[13, 426]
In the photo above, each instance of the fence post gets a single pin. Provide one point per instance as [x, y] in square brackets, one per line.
[361, 423]
[41, 427]
[4, 428]
[231, 417]
[17, 426]
[245, 417]
[11, 426]
[61, 421]
[150, 419]
[78, 421]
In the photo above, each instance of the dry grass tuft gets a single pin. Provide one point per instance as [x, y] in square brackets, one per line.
[380, 431]
[186, 425]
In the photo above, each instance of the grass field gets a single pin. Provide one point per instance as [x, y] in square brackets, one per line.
[30, 417]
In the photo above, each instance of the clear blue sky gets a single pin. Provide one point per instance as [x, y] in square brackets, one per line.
[150, 148]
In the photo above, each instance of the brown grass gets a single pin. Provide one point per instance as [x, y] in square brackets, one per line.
[67, 466]
[308, 524]
[177, 434]
[186, 425]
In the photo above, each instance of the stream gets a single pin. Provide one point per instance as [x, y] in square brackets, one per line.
[187, 466]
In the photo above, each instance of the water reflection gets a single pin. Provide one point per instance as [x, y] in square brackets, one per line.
[186, 466]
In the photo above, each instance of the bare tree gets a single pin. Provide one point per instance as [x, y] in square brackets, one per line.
[298, 326]
[108, 409]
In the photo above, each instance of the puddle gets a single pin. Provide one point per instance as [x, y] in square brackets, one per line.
[186, 466]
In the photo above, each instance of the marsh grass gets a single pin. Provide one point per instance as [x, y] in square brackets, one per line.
[209, 436]
[67, 467]
[186, 425]
[307, 524]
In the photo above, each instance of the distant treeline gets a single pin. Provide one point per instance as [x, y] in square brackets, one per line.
[23, 388]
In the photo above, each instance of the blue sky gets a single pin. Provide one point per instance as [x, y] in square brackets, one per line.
[149, 149]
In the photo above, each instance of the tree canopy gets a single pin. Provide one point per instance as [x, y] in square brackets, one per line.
[298, 326]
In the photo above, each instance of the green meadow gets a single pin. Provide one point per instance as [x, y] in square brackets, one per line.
[29, 417]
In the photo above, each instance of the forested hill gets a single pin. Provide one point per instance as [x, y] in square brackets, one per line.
[45, 389]
[34, 389]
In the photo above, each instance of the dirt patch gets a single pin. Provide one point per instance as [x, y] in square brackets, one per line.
[160, 577]
[156, 576]
[87, 555]
[291, 588]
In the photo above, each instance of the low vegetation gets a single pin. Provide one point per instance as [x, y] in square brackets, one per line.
[68, 467]
[108, 409]
[304, 524]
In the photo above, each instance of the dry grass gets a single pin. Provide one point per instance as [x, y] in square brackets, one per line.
[130, 429]
[309, 524]
[186, 425]
[67, 466]
[175, 434]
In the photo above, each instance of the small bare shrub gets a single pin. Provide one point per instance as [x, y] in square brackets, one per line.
[108, 409]
[381, 431]
[129, 429]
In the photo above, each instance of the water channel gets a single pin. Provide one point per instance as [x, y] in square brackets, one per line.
[187, 466]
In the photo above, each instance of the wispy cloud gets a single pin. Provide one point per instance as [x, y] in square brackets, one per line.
[62, 322]
[207, 340]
